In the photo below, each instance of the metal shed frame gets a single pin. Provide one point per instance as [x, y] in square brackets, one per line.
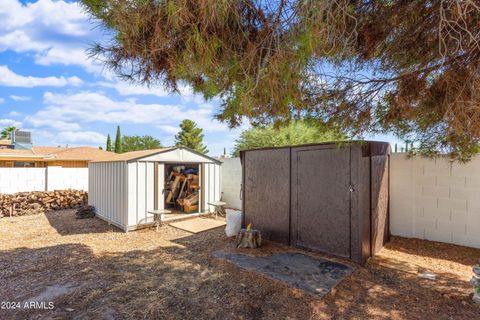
[129, 185]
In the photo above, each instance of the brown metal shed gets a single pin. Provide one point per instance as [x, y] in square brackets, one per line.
[330, 197]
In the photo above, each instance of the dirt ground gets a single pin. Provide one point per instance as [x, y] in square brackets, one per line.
[90, 270]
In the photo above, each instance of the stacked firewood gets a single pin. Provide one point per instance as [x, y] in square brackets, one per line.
[24, 203]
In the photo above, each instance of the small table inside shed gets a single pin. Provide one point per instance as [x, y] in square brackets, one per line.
[219, 210]
[158, 216]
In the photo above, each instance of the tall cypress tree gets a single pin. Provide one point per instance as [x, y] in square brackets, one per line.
[190, 136]
[118, 141]
[109, 143]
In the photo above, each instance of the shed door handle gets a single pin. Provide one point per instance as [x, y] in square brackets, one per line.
[241, 190]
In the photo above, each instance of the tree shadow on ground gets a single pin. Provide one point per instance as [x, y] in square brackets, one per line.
[181, 280]
[437, 250]
[65, 223]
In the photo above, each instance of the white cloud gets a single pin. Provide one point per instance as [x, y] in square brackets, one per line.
[168, 128]
[20, 98]
[2, 100]
[127, 89]
[68, 111]
[9, 78]
[62, 138]
[187, 95]
[19, 41]
[39, 121]
[9, 122]
[75, 137]
[57, 32]
[68, 56]
[14, 114]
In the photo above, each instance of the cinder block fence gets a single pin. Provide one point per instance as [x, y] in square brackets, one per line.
[436, 200]
[231, 182]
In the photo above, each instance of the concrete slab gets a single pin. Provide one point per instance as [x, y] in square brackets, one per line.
[314, 276]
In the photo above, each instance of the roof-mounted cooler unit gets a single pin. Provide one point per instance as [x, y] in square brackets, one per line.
[21, 139]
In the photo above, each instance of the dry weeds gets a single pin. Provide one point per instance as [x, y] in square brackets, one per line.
[107, 274]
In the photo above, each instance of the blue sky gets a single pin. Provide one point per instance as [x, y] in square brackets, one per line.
[49, 86]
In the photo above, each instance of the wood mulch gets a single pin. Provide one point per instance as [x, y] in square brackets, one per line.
[90, 270]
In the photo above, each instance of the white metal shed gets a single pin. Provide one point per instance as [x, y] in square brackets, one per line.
[124, 188]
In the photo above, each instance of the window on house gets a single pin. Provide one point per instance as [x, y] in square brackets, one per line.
[22, 164]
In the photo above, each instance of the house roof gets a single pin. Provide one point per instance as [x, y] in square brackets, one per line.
[18, 153]
[79, 153]
[133, 155]
[47, 150]
[59, 153]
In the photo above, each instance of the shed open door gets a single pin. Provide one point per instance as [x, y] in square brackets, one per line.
[159, 186]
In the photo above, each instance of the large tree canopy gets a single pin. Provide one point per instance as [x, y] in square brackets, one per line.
[7, 131]
[136, 142]
[296, 132]
[408, 67]
[190, 136]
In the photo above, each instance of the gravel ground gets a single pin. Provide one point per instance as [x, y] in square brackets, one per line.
[90, 270]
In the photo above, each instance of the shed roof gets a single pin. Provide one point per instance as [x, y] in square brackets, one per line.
[137, 155]
[376, 147]
[133, 155]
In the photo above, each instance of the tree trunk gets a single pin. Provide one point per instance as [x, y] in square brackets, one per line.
[249, 239]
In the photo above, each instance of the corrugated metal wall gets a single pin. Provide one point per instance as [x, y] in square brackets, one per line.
[141, 179]
[212, 185]
[108, 191]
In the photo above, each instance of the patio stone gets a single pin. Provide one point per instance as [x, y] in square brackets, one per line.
[312, 275]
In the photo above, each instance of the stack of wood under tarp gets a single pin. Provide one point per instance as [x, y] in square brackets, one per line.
[85, 212]
[182, 190]
[24, 203]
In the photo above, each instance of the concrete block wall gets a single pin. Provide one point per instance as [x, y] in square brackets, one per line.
[231, 182]
[13, 180]
[436, 200]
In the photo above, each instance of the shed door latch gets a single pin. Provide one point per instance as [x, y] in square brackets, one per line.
[351, 188]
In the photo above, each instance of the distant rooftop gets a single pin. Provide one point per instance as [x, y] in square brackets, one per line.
[59, 153]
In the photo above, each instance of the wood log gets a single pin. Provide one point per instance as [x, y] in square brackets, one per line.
[23, 203]
[173, 189]
[249, 238]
